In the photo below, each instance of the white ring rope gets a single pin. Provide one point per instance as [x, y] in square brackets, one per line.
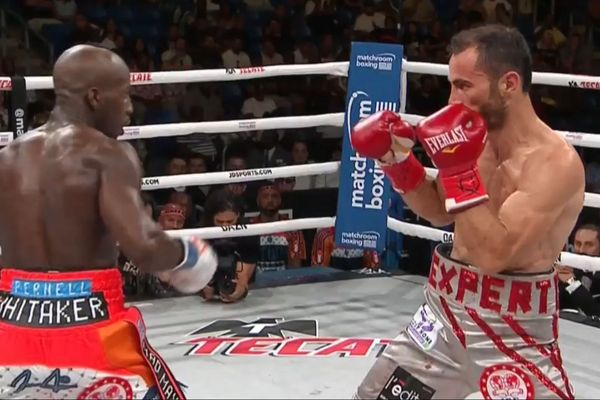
[244, 175]
[331, 68]
[585, 263]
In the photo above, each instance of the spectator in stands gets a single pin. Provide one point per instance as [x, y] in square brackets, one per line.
[141, 58]
[326, 253]
[84, 31]
[428, 96]
[177, 165]
[304, 52]
[177, 58]
[300, 156]
[369, 20]
[420, 11]
[574, 57]
[172, 216]
[198, 164]
[278, 251]
[269, 56]
[495, 9]
[45, 12]
[268, 152]
[183, 199]
[223, 209]
[330, 180]
[577, 287]
[109, 35]
[234, 56]
[257, 105]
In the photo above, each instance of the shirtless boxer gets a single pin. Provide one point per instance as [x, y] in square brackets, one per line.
[513, 189]
[70, 193]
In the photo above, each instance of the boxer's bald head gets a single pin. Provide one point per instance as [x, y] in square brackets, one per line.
[92, 87]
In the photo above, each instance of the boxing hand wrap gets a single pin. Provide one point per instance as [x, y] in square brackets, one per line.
[197, 268]
[454, 138]
[385, 135]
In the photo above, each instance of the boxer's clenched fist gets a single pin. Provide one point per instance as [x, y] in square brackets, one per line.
[454, 138]
[386, 138]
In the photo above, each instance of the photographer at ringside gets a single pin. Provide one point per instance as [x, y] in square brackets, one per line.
[237, 255]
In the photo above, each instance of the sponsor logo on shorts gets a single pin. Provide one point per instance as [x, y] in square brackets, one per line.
[378, 62]
[54, 312]
[108, 388]
[506, 382]
[424, 328]
[404, 386]
[55, 381]
[250, 172]
[276, 337]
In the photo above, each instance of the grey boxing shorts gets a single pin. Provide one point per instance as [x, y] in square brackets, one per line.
[476, 336]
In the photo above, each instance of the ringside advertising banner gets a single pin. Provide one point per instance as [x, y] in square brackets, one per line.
[363, 197]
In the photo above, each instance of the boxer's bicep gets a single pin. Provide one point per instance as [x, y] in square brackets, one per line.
[122, 209]
[547, 187]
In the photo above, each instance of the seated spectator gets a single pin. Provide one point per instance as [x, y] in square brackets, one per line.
[326, 253]
[300, 156]
[183, 199]
[234, 56]
[256, 104]
[177, 58]
[428, 98]
[83, 31]
[574, 295]
[222, 209]
[369, 20]
[330, 180]
[44, 12]
[587, 242]
[108, 36]
[269, 56]
[496, 8]
[574, 57]
[268, 152]
[172, 216]
[278, 251]
[435, 41]
[305, 52]
[547, 48]
[420, 11]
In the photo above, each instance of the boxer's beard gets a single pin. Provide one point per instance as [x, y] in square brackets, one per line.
[494, 110]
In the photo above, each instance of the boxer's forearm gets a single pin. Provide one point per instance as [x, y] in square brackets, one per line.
[425, 201]
[159, 252]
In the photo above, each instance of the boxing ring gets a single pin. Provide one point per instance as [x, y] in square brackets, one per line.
[313, 340]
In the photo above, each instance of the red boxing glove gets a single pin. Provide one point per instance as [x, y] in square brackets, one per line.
[385, 132]
[454, 138]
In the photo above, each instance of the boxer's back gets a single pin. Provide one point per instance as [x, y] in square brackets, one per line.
[49, 201]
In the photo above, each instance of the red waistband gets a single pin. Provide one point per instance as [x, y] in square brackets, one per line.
[79, 298]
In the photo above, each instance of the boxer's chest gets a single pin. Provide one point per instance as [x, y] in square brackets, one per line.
[501, 178]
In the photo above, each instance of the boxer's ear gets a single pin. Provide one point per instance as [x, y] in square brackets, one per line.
[93, 98]
[510, 83]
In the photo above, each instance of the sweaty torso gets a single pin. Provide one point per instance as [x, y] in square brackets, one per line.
[502, 179]
[49, 213]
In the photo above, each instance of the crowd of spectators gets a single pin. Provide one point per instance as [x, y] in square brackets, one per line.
[202, 34]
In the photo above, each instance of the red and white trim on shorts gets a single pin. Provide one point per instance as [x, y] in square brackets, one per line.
[516, 357]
